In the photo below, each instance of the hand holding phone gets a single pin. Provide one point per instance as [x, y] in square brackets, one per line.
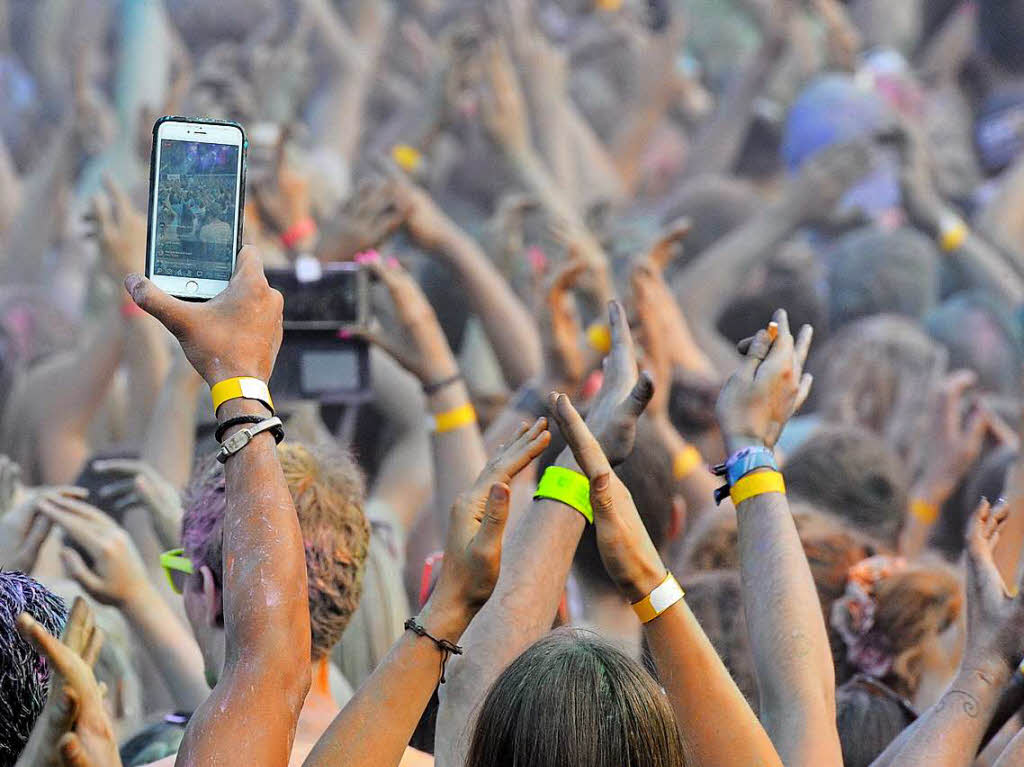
[196, 192]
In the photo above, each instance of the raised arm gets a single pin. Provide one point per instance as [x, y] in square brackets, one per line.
[950, 732]
[507, 322]
[266, 611]
[539, 552]
[373, 730]
[689, 667]
[787, 631]
[455, 443]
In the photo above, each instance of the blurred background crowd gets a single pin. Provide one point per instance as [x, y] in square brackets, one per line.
[505, 168]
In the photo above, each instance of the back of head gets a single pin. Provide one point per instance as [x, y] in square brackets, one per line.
[979, 336]
[999, 25]
[874, 271]
[715, 205]
[572, 699]
[872, 373]
[852, 473]
[647, 474]
[328, 493]
[716, 599]
[24, 674]
[890, 618]
[869, 716]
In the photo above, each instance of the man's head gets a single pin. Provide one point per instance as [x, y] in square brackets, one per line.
[24, 674]
[327, 489]
[874, 272]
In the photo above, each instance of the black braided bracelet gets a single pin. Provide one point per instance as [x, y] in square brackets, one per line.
[433, 388]
[241, 420]
[447, 648]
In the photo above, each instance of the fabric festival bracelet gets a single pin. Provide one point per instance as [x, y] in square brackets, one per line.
[568, 487]
[441, 423]
[686, 460]
[953, 232]
[241, 387]
[664, 595]
[924, 512]
[297, 232]
[757, 484]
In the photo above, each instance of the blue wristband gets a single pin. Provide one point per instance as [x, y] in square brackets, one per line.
[749, 459]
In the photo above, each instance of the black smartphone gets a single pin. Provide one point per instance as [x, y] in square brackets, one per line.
[333, 297]
[196, 196]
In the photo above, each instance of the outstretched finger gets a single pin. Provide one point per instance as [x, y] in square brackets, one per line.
[92, 650]
[44, 642]
[806, 381]
[639, 396]
[756, 352]
[79, 626]
[584, 446]
[621, 360]
[803, 346]
[72, 752]
[492, 526]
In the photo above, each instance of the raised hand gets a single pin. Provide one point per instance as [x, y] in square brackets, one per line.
[767, 389]
[426, 223]
[285, 199]
[73, 729]
[561, 334]
[503, 107]
[368, 218]
[120, 231]
[472, 558]
[624, 392]
[423, 349]
[237, 333]
[995, 610]
[143, 487]
[117, 572]
[626, 549]
[24, 528]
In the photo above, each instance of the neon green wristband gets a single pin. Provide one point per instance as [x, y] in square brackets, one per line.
[568, 487]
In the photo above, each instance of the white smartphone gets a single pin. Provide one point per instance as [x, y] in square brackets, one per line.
[196, 193]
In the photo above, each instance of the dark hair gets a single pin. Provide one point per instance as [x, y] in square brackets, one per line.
[852, 473]
[647, 474]
[980, 336]
[999, 23]
[572, 699]
[874, 272]
[24, 673]
[869, 716]
[987, 479]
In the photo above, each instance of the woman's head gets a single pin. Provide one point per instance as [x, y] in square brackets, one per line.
[572, 699]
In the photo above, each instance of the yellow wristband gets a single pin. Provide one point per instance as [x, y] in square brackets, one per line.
[686, 460]
[599, 337]
[758, 483]
[406, 157]
[923, 511]
[240, 388]
[952, 233]
[664, 595]
[568, 487]
[453, 419]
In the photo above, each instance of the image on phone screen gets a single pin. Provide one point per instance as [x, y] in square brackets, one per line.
[196, 209]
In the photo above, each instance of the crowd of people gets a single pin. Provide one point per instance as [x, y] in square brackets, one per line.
[606, 503]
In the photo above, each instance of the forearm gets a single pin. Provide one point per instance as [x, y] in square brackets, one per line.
[698, 485]
[537, 555]
[147, 367]
[554, 141]
[458, 455]
[787, 634]
[598, 177]
[697, 682]
[987, 268]
[399, 688]
[510, 327]
[266, 616]
[1013, 754]
[169, 443]
[950, 732]
[170, 645]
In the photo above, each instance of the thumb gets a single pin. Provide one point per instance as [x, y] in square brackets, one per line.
[601, 498]
[155, 302]
[80, 571]
[492, 526]
[641, 394]
[72, 752]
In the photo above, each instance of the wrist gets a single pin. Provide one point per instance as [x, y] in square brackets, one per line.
[648, 576]
[138, 599]
[737, 441]
[237, 407]
[448, 398]
[444, 620]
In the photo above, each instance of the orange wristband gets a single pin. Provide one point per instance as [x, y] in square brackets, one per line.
[686, 460]
[924, 512]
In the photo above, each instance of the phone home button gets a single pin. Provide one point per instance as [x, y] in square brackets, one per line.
[191, 286]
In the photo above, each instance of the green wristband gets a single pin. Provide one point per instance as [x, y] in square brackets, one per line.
[568, 487]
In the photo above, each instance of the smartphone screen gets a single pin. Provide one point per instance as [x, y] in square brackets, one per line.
[337, 299]
[323, 371]
[195, 207]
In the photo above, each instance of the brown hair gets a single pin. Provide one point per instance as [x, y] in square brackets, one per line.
[572, 699]
[328, 492]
